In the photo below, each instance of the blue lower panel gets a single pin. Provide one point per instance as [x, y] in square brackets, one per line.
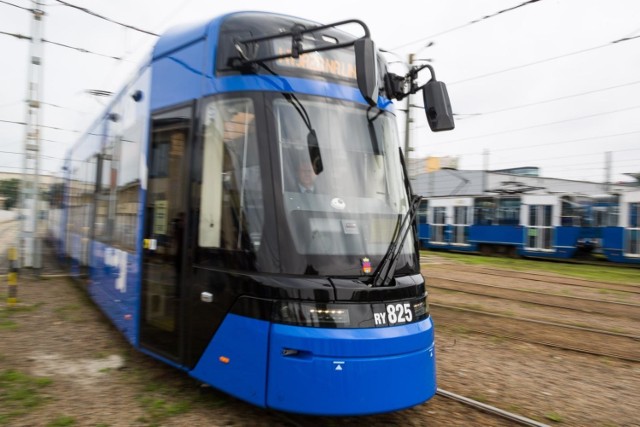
[351, 371]
[236, 359]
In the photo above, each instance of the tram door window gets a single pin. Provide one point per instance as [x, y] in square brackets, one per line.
[484, 211]
[461, 225]
[423, 209]
[165, 209]
[633, 231]
[231, 220]
[539, 230]
[438, 224]
[509, 211]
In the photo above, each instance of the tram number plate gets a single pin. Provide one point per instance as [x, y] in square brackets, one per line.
[393, 314]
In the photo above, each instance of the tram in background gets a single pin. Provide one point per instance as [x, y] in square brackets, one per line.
[560, 226]
[182, 212]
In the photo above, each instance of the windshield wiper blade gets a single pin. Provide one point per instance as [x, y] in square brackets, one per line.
[387, 267]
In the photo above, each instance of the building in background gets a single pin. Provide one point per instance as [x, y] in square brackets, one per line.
[448, 182]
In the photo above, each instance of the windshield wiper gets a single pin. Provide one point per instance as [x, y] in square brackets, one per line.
[313, 146]
[384, 273]
[312, 138]
[387, 267]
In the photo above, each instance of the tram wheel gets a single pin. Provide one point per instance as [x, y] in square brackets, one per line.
[487, 250]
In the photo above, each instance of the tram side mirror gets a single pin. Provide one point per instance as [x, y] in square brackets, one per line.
[437, 106]
[314, 152]
[367, 69]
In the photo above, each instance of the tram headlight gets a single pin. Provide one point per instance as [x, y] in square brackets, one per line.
[312, 314]
[421, 307]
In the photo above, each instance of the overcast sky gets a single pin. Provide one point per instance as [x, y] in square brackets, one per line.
[553, 84]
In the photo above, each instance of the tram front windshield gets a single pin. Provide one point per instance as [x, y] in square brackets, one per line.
[342, 201]
[265, 207]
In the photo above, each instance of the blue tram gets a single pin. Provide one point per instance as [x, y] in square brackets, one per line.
[522, 225]
[560, 226]
[184, 210]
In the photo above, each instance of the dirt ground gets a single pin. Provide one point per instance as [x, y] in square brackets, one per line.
[62, 364]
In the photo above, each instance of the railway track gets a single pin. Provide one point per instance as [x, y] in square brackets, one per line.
[500, 413]
[586, 305]
[585, 340]
[294, 420]
[547, 278]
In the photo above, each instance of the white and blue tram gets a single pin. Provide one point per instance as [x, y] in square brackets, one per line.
[558, 226]
[182, 211]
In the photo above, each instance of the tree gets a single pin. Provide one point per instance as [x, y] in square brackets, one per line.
[10, 188]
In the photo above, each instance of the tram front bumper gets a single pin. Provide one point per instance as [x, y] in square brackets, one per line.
[350, 371]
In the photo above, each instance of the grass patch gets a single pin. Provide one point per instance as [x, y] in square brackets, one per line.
[589, 272]
[613, 292]
[7, 325]
[554, 416]
[62, 421]
[19, 393]
[514, 408]
[24, 308]
[158, 409]
[69, 313]
[480, 398]
[7, 313]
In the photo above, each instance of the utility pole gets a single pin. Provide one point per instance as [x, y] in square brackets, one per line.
[607, 171]
[485, 170]
[30, 236]
[407, 128]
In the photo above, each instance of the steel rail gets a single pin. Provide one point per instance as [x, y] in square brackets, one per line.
[521, 420]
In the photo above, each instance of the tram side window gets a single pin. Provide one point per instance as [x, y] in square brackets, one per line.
[231, 206]
[128, 184]
[573, 214]
[423, 210]
[484, 211]
[439, 215]
[634, 215]
[105, 197]
[509, 211]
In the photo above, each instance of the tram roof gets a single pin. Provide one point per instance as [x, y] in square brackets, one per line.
[256, 22]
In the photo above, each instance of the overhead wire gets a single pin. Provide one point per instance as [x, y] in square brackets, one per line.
[15, 122]
[82, 50]
[475, 21]
[538, 125]
[566, 141]
[546, 101]
[97, 15]
[15, 5]
[79, 49]
[541, 61]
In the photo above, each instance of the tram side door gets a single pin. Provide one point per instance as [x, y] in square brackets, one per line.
[438, 223]
[539, 229]
[164, 225]
[461, 224]
[632, 231]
